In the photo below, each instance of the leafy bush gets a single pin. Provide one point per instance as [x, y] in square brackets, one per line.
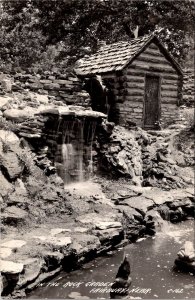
[188, 114]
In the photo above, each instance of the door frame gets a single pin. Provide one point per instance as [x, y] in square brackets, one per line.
[159, 98]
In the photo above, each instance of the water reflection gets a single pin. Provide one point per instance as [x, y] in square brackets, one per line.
[152, 271]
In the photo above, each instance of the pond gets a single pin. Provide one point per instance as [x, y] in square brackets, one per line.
[152, 272]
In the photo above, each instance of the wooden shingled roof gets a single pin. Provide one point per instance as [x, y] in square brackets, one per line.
[115, 57]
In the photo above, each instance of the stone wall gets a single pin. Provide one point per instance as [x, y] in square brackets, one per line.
[188, 87]
[63, 87]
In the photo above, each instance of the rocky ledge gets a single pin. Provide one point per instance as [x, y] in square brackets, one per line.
[76, 111]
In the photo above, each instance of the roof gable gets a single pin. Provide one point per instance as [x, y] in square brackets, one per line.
[115, 57]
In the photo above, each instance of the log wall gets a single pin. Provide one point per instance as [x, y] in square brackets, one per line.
[150, 61]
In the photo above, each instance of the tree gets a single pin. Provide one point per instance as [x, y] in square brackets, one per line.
[76, 27]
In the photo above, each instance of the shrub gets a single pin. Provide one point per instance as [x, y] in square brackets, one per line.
[188, 114]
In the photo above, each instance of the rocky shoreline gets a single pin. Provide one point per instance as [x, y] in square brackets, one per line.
[36, 256]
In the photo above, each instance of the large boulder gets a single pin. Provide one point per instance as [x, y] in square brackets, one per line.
[186, 258]
[10, 164]
[187, 252]
[141, 204]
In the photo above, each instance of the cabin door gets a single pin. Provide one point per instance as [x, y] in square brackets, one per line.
[152, 101]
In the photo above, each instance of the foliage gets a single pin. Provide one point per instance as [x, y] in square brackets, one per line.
[188, 114]
[35, 32]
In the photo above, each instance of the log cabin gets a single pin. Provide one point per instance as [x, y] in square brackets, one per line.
[143, 79]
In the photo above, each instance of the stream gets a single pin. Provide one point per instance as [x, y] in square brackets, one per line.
[152, 272]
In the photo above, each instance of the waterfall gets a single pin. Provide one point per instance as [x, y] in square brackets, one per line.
[80, 151]
[74, 155]
[90, 139]
[68, 153]
[70, 132]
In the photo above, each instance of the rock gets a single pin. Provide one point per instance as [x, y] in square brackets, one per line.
[9, 137]
[16, 115]
[53, 259]
[190, 191]
[106, 225]
[152, 221]
[114, 149]
[181, 194]
[81, 229]
[5, 252]
[185, 266]
[158, 196]
[11, 164]
[108, 234]
[56, 242]
[3, 283]
[122, 166]
[14, 244]
[92, 218]
[10, 267]
[84, 243]
[123, 194]
[13, 214]
[187, 252]
[32, 269]
[19, 115]
[141, 204]
[164, 211]
[20, 195]
[49, 194]
[130, 214]
[43, 99]
[3, 101]
[56, 231]
[137, 166]
[6, 85]
[30, 135]
[176, 215]
[187, 180]
[136, 180]
[134, 231]
[186, 258]
[5, 186]
[79, 206]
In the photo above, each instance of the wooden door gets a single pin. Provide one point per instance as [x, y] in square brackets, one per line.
[152, 101]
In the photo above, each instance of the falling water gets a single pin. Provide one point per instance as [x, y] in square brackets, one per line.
[80, 151]
[74, 156]
[90, 139]
[68, 153]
